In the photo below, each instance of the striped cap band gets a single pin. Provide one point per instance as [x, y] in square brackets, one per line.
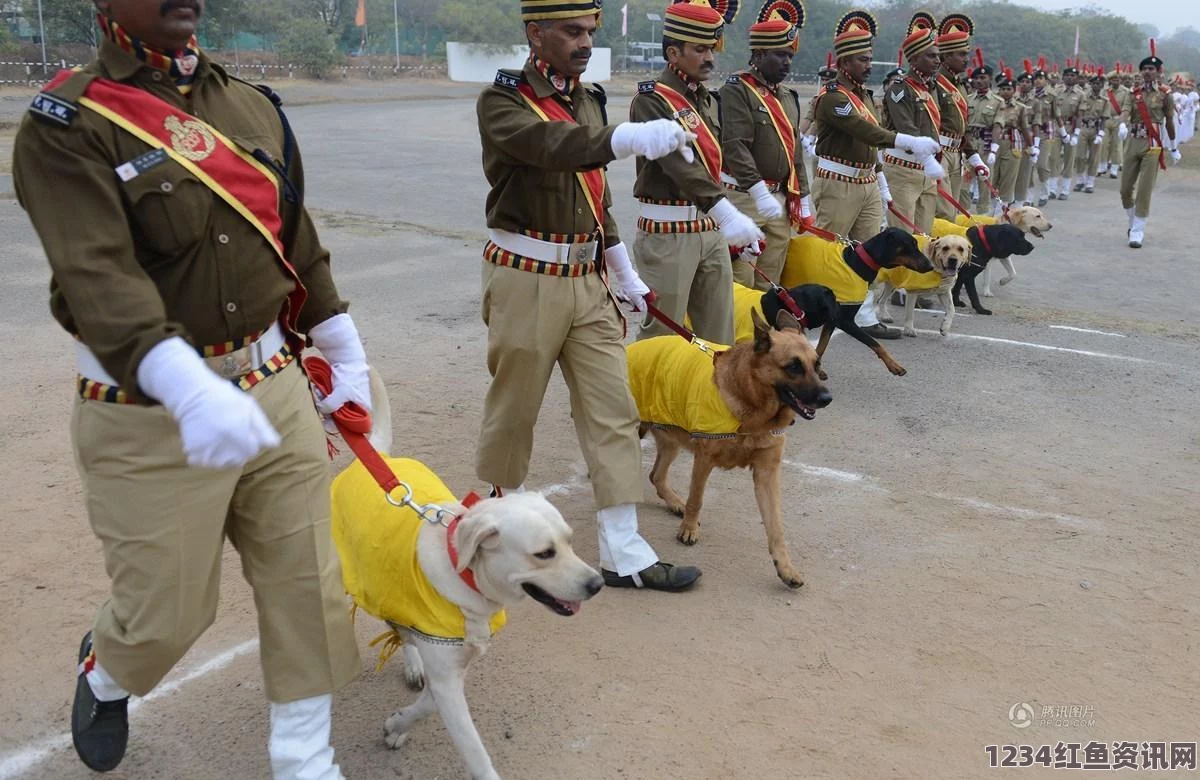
[853, 42]
[918, 41]
[959, 40]
[774, 34]
[541, 10]
[694, 23]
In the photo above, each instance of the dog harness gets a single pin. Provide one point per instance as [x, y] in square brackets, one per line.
[377, 544]
[674, 386]
[813, 260]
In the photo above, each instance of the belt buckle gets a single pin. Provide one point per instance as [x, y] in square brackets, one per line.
[240, 362]
[582, 251]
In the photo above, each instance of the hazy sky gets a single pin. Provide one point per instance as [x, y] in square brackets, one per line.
[1167, 15]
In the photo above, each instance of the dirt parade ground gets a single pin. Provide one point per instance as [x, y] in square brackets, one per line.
[998, 548]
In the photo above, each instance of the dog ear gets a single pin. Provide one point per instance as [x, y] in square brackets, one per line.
[785, 320]
[477, 530]
[762, 332]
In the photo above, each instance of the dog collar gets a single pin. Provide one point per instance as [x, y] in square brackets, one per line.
[868, 261]
[467, 575]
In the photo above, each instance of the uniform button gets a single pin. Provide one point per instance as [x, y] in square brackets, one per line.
[224, 239]
[231, 307]
[156, 75]
[166, 186]
[578, 211]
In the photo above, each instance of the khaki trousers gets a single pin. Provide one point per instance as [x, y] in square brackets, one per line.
[691, 274]
[1111, 146]
[163, 524]
[914, 194]
[851, 210]
[535, 321]
[1139, 171]
[952, 161]
[778, 233]
[1024, 176]
[1050, 160]
[1088, 159]
[1008, 165]
[1069, 153]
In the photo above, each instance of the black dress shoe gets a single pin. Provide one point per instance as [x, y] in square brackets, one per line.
[99, 729]
[660, 576]
[881, 331]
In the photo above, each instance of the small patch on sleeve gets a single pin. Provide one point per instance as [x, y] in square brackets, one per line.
[53, 109]
[645, 86]
[506, 80]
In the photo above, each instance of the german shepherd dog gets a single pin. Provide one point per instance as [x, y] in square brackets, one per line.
[765, 383]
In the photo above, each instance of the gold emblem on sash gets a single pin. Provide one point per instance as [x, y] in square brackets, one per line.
[190, 138]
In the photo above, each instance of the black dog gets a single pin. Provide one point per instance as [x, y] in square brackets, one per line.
[997, 241]
[891, 248]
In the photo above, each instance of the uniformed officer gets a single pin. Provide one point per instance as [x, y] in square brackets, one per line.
[1112, 146]
[913, 110]
[1149, 109]
[1094, 112]
[1070, 128]
[983, 105]
[848, 189]
[1033, 113]
[552, 239]
[1047, 138]
[686, 222]
[190, 275]
[954, 43]
[760, 140]
[1011, 138]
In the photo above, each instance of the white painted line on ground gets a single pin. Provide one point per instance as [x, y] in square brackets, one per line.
[826, 473]
[16, 763]
[1035, 345]
[1089, 330]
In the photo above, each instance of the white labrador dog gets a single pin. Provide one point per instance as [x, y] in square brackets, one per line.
[513, 546]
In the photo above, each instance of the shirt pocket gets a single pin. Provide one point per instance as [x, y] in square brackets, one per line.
[172, 209]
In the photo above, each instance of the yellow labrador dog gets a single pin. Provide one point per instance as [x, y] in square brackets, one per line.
[949, 255]
[443, 588]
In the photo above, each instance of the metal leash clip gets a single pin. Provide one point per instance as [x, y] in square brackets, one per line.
[430, 513]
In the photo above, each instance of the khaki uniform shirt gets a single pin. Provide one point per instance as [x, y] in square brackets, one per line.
[1068, 108]
[751, 145]
[906, 112]
[982, 117]
[136, 262]
[672, 177]
[1046, 113]
[530, 164]
[1159, 102]
[1122, 96]
[952, 120]
[1012, 118]
[1094, 110]
[845, 135]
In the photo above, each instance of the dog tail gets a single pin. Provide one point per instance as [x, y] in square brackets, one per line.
[381, 414]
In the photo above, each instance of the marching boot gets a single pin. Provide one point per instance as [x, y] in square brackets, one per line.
[299, 741]
[100, 714]
[1090, 184]
[1137, 232]
[1064, 188]
[1114, 171]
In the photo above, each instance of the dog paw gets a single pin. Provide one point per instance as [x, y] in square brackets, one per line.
[988, 294]
[886, 318]
[944, 330]
[395, 730]
[675, 508]
[414, 679]
[910, 332]
[1006, 280]
[688, 534]
[897, 369]
[790, 577]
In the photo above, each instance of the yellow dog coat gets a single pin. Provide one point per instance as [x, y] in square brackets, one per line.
[377, 544]
[745, 300]
[978, 219]
[812, 260]
[672, 382]
[903, 278]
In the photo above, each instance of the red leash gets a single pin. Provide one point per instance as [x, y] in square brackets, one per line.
[950, 199]
[690, 337]
[996, 195]
[908, 223]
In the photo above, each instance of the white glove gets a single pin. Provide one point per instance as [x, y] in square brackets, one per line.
[765, 202]
[995, 147]
[1175, 155]
[652, 140]
[884, 190]
[737, 229]
[629, 287]
[338, 340]
[809, 142]
[918, 146]
[1075, 137]
[1062, 132]
[1034, 153]
[220, 426]
[933, 168]
[1099, 137]
[981, 170]
[806, 208]
[1122, 131]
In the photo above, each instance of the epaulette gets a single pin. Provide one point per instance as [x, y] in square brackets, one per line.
[646, 86]
[60, 107]
[597, 91]
[733, 79]
[509, 79]
[831, 88]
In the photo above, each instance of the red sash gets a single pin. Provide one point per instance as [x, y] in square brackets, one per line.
[593, 181]
[960, 102]
[931, 106]
[787, 136]
[1112, 99]
[1151, 128]
[245, 184]
[706, 144]
[859, 106]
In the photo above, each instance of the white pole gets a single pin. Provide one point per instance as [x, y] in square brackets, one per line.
[396, 15]
[42, 33]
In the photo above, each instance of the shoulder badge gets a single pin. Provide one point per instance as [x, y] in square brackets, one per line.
[646, 86]
[896, 96]
[831, 88]
[506, 79]
[54, 109]
[733, 79]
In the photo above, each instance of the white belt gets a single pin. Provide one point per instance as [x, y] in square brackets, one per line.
[950, 143]
[903, 155]
[656, 212]
[546, 251]
[841, 169]
[232, 365]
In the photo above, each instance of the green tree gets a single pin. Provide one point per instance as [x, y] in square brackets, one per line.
[66, 21]
[309, 44]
